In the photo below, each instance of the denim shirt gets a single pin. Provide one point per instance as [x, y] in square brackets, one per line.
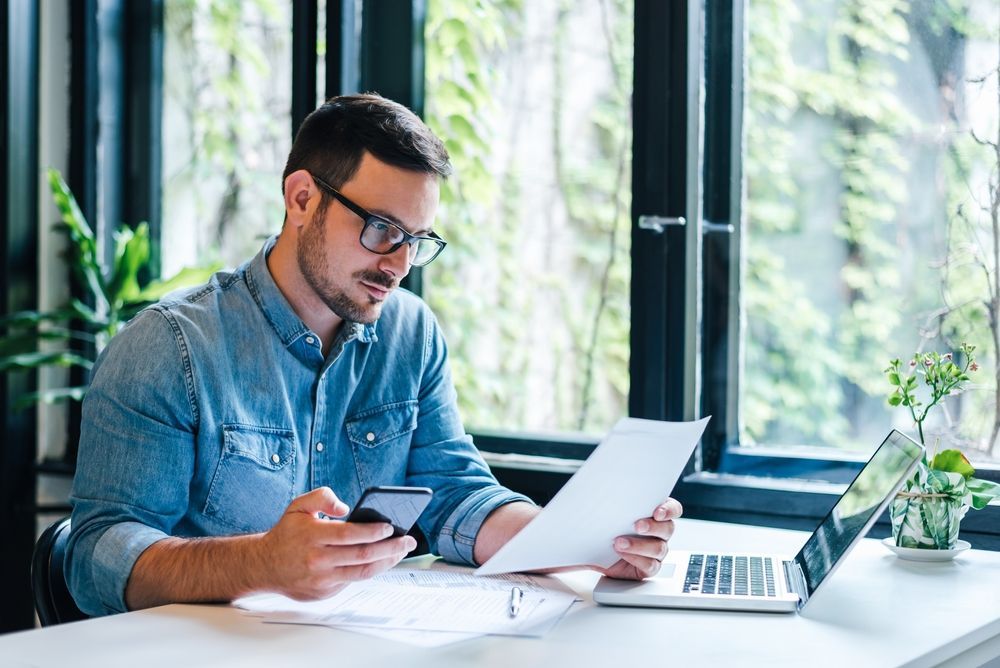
[209, 412]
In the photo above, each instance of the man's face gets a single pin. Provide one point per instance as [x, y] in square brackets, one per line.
[351, 280]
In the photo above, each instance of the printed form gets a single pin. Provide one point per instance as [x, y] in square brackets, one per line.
[449, 601]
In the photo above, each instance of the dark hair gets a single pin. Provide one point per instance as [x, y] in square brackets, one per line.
[332, 139]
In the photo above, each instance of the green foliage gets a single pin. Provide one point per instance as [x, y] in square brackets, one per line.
[812, 356]
[111, 296]
[941, 378]
[934, 500]
[485, 290]
[226, 121]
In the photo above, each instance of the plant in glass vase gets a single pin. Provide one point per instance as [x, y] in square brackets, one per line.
[927, 511]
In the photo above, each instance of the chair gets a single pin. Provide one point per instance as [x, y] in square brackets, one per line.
[53, 602]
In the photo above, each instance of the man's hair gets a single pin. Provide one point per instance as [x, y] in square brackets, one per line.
[332, 140]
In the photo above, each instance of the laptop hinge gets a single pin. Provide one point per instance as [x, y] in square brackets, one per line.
[795, 580]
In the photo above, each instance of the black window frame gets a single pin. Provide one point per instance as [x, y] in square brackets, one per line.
[19, 175]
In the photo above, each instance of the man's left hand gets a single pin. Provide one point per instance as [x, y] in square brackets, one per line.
[642, 554]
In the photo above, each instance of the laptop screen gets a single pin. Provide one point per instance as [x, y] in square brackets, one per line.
[858, 508]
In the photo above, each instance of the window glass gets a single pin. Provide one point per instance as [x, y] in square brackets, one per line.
[226, 127]
[868, 227]
[533, 101]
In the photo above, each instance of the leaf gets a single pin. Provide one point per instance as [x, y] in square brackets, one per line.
[982, 491]
[32, 318]
[34, 360]
[953, 461]
[131, 256]
[187, 276]
[51, 396]
[85, 261]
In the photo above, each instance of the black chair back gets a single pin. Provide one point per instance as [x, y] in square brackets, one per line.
[53, 602]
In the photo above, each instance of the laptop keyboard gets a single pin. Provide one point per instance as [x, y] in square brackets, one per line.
[728, 574]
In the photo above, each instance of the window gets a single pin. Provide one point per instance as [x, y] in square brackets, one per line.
[533, 290]
[867, 230]
[226, 128]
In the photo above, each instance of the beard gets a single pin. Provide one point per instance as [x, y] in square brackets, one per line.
[315, 268]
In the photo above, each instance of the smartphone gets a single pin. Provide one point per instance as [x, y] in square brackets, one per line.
[397, 506]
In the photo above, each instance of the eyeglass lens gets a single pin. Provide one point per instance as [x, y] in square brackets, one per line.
[380, 237]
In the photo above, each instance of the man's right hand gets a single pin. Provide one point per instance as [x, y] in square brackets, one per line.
[304, 556]
[308, 557]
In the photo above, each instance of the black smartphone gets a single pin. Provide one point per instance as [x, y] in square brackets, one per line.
[398, 506]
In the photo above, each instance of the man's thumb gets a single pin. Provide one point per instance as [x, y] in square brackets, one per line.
[319, 500]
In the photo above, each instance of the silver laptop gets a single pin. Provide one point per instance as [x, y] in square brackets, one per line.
[770, 583]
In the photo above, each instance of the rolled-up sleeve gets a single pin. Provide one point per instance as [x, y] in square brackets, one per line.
[135, 461]
[444, 458]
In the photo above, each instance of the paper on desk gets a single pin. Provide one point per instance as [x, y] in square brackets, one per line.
[632, 470]
[426, 600]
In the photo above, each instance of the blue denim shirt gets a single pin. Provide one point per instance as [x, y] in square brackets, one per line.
[208, 413]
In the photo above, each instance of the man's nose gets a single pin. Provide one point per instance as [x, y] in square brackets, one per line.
[397, 263]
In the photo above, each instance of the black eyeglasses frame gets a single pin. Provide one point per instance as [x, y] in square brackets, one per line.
[371, 219]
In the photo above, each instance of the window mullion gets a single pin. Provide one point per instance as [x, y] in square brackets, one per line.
[19, 30]
[722, 201]
[665, 184]
[305, 14]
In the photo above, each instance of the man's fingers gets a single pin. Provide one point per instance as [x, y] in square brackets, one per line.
[670, 509]
[367, 570]
[338, 534]
[329, 558]
[650, 548]
[644, 566]
[320, 500]
[661, 530]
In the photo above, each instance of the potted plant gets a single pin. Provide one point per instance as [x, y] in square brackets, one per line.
[927, 511]
[111, 297]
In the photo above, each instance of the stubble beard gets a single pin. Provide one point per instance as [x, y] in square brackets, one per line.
[310, 253]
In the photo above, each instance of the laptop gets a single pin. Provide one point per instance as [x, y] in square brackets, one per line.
[770, 583]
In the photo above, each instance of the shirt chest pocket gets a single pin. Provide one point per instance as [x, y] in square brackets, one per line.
[380, 439]
[254, 479]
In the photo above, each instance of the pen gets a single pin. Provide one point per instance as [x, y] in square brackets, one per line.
[515, 601]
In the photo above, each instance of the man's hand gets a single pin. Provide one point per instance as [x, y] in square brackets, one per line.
[312, 558]
[642, 554]
[303, 556]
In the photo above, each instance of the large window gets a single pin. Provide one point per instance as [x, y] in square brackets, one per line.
[870, 217]
[226, 128]
[534, 103]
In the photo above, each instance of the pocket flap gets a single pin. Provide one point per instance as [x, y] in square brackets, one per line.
[375, 426]
[269, 447]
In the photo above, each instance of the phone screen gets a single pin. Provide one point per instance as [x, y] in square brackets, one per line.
[398, 506]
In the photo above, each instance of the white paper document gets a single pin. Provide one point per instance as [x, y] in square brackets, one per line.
[633, 470]
[427, 600]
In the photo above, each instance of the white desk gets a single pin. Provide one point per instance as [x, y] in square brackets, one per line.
[876, 611]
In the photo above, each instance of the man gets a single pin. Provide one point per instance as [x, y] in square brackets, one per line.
[212, 415]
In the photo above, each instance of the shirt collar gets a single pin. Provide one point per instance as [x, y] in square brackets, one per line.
[286, 323]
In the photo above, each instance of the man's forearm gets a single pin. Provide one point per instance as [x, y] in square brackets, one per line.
[182, 570]
[500, 526]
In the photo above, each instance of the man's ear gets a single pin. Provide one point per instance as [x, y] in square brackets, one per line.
[299, 189]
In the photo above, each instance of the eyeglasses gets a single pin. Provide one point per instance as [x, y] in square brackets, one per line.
[384, 237]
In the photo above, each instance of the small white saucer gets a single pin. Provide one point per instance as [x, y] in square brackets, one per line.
[918, 554]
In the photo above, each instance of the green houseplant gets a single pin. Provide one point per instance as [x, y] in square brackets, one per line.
[929, 508]
[112, 296]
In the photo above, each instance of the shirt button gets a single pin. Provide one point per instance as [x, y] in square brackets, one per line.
[310, 340]
[275, 458]
[370, 437]
[319, 447]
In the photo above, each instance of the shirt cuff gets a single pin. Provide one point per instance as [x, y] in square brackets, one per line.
[114, 557]
[458, 536]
